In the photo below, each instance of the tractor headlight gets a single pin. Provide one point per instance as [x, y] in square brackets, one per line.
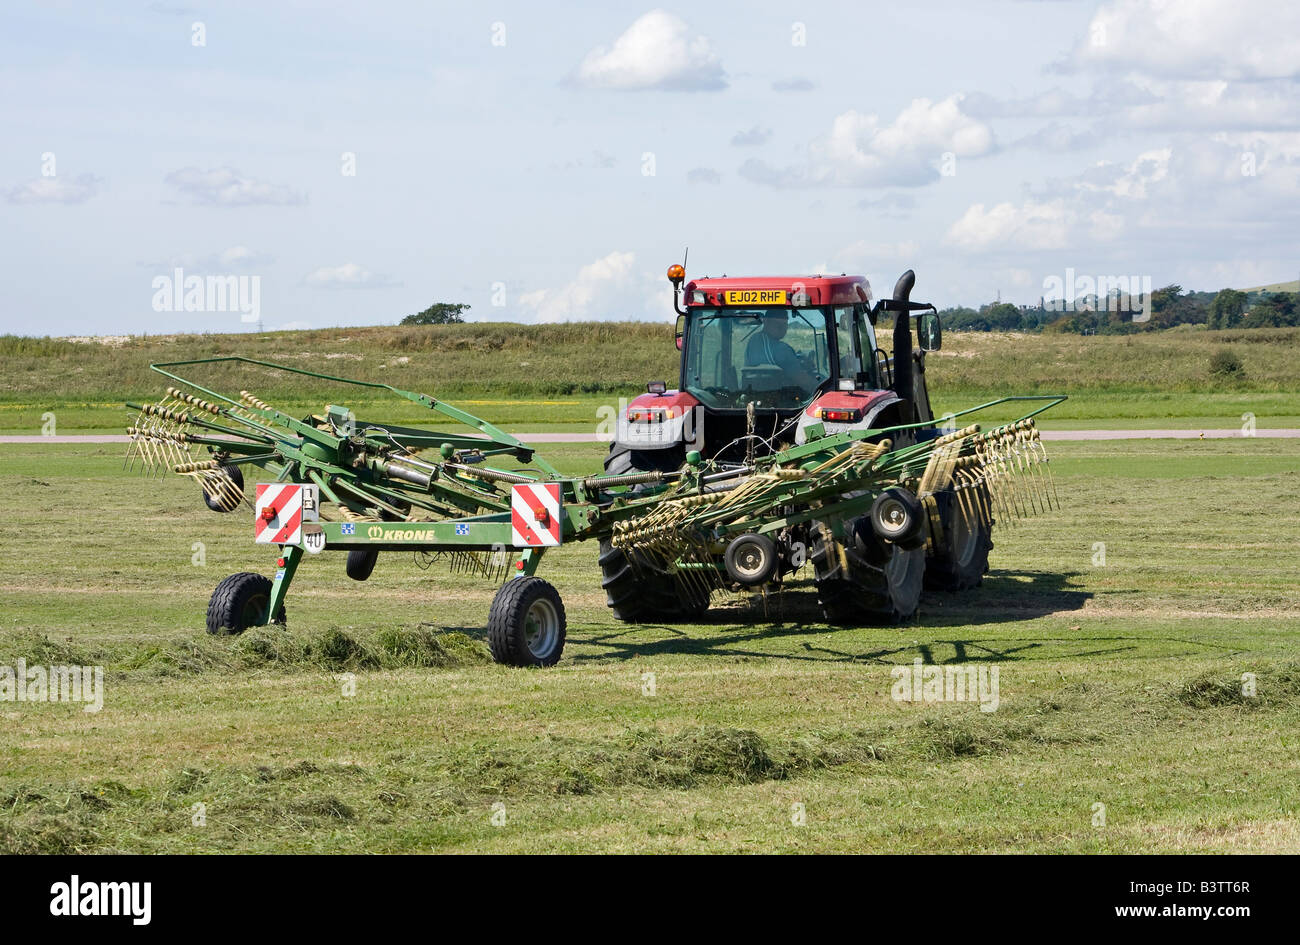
[840, 415]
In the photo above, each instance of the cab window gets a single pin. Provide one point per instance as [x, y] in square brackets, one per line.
[867, 347]
[774, 357]
[846, 344]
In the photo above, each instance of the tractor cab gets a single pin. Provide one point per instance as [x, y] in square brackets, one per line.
[775, 348]
[765, 359]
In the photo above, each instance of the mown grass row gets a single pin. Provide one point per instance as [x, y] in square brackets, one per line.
[273, 648]
[316, 798]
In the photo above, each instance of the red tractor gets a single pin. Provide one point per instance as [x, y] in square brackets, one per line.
[762, 359]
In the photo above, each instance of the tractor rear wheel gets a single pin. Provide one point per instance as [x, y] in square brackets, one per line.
[854, 588]
[645, 593]
[240, 602]
[526, 624]
[640, 591]
[961, 555]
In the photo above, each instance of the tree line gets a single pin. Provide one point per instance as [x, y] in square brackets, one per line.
[1109, 315]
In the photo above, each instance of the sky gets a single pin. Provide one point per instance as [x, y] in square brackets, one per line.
[327, 164]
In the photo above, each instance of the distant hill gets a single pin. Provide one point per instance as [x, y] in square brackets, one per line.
[1292, 286]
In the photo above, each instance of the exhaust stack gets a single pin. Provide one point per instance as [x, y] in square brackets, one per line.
[903, 385]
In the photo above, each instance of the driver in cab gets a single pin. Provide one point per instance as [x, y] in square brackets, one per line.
[765, 349]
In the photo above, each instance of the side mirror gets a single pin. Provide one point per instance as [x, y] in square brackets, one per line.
[680, 330]
[929, 331]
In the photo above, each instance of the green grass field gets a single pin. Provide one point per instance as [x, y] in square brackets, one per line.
[557, 377]
[1120, 685]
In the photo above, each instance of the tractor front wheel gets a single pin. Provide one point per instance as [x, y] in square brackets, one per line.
[853, 587]
[240, 602]
[526, 624]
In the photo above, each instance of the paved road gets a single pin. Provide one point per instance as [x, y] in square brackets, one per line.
[1289, 434]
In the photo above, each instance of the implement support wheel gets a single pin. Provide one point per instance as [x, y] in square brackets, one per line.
[223, 504]
[526, 623]
[240, 602]
[751, 559]
[361, 562]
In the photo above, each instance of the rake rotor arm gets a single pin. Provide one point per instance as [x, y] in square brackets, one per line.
[492, 434]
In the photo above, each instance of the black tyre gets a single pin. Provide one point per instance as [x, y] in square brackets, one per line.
[645, 593]
[640, 591]
[361, 563]
[898, 516]
[526, 625]
[240, 602]
[621, 460]
[216, 504]
[960, 557]
[751, 559]
[853, 590]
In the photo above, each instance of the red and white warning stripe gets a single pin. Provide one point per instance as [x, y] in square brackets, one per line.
[535, 515]
[278, 514]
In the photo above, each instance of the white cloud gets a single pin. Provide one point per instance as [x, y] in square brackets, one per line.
[234, 258]
[1171, 65]
[348, 276]
[658, 51]
[603, 289]
[227, 187]
[1196, 39]
[1053, 102]
[1214, 104]
[751, 138]
[1242, 188]
[1030, 225]
[1138, 102]
[859, 151]
[703, 175]
[57, 190]
[1058, 137]
[1133, 180]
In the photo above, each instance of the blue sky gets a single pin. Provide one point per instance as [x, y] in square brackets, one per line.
[546, 162]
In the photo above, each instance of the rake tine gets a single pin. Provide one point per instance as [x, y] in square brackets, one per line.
[1022, 469]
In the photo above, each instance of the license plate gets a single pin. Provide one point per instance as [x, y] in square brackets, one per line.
[756, 297]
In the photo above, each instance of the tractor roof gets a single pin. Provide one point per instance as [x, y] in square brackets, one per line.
[820, 290]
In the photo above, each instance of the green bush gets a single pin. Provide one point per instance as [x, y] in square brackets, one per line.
[1225, 363]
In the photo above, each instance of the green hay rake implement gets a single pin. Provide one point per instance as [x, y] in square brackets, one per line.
[483, 500]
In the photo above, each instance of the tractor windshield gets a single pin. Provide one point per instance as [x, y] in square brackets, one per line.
[771, 357]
